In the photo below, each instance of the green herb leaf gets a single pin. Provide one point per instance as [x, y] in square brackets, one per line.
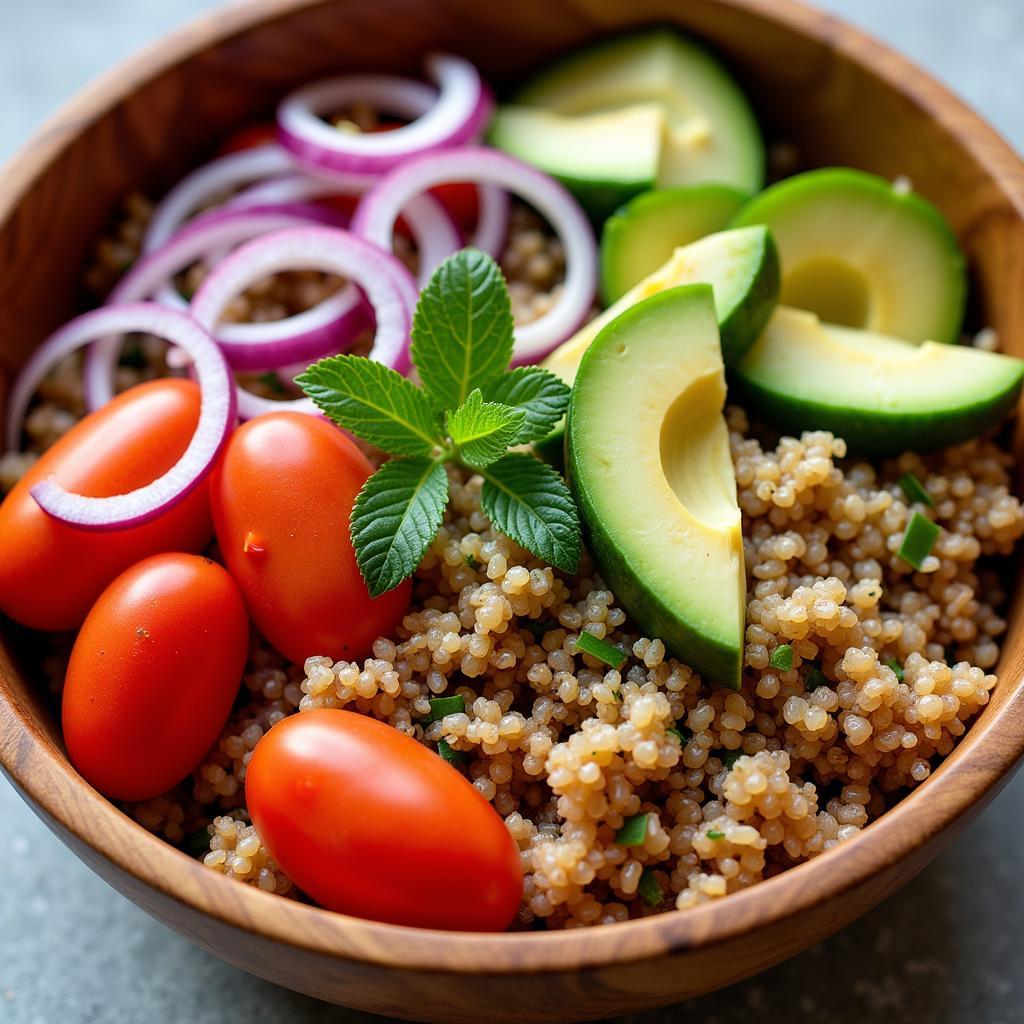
[396, 518]
[272, 383]
[539, 629]
[375, 402]
[600, 649]
[730, 757]
[683, 735]
[714, 833]
[814, 679]
[530, 502]
[782, 658]
[441, 706]
[633, 831]
[649, 890]
[541, 395]
[198, 842]
[483, 431]
[462, 328]
[452, 756]
[918, 541]
[896, 667]
[915, 490]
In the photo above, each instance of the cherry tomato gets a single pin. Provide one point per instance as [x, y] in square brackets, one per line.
[153, 673]
[282, 496]
[461, 200]
[50, 573]
[367, 821]
[249, 137]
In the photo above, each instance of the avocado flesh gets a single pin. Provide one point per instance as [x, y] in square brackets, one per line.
[882, 395]
[649, 462]
[711, 133]
[859, 251]
[620, 149]
[640, 237]
[741, 266]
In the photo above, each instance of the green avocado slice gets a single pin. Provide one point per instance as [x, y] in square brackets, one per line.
[649, 463]
[561, 145]
[710, 132]
[882, 394]
[644, 233]
[864, 252]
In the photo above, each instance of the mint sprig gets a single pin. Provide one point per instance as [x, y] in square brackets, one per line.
[469, 412]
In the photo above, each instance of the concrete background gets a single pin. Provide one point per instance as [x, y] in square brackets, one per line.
[947, 949]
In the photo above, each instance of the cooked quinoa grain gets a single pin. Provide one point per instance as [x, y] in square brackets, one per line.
[714, 789]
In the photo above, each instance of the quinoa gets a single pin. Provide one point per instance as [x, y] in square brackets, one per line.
[889, 664]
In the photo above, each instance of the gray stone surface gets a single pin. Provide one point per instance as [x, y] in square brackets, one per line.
[946, 949]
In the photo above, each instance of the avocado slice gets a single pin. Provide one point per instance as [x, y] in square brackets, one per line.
[643, 234]
[882, 394]
[711, 132]
[649, 463]
[741, 265]
[863, 252]
[620, 149]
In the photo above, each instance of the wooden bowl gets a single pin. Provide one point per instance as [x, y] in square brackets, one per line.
[840, 98]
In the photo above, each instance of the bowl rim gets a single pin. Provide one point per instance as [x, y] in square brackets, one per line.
[44, 777]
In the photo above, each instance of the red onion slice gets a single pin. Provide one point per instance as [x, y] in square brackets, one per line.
[325, 328]
[434, 232]
[210, 182]
[459, 115]
[378, 210]
[388, 286]
[216, 414]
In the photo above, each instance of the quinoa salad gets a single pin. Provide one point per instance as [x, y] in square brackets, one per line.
[686, 598]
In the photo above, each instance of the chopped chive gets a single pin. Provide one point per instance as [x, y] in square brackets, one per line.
[633, 831]
[272, 383]
[815, 679]
[453, 757]
[683, 735]
[714, 833]
[918, 540]
[730, 757]
[600, 649]
[896, 667]
[538, 629]
[441, 706]
[782, 658]
[198, 842]
[472, 562]
[650, 891]
[915, 491]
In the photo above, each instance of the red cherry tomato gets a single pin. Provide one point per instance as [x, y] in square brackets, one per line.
[153, 675]
[367, 821]
[249, 137]
[282, 496]
[461, 200]
[50, 573]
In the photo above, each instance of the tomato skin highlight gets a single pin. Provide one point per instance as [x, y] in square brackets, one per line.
[282, 497]
[50, 572]
[369, 822]
[153, 675]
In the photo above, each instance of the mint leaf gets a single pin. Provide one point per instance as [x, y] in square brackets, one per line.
[396, 518]
[541, 395]
[529, 501]
[462, 329]
[374, 402]
[482, 431]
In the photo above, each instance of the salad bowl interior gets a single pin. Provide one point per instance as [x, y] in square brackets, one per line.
[818, 86]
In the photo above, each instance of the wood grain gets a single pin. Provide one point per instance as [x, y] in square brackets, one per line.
[837, 95]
